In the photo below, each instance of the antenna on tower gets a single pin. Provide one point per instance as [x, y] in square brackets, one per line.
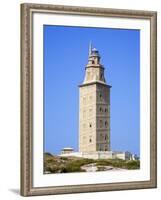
[90, 48]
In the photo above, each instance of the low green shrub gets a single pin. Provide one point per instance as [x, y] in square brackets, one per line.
[133, 164]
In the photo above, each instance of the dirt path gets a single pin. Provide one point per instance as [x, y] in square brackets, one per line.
[93, 167]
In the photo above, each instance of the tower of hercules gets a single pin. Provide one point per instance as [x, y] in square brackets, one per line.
[94, 107]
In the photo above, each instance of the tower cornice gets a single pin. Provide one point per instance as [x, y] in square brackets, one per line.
[95, 82]
[94, 66]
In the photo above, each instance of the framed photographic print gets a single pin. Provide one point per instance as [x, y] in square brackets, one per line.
[88, 99]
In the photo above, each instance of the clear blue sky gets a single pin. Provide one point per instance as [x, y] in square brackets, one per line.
[65, 58]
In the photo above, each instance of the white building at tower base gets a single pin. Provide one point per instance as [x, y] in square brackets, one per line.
[99, 154]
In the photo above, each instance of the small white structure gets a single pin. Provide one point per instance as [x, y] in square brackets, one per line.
[67, 150]
[98, 154]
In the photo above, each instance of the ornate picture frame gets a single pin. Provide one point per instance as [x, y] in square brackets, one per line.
[28, 154]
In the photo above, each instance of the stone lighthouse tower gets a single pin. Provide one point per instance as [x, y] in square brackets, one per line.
[94, 107]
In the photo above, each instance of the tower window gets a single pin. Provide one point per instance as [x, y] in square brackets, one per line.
[84, 100]
[90, 140]
[100, 96]
[101, 123]
[105, 109]
[90, 110]
[84, 126]
[90, 125]
[105, 123]
[101, 136]
[84, 114]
